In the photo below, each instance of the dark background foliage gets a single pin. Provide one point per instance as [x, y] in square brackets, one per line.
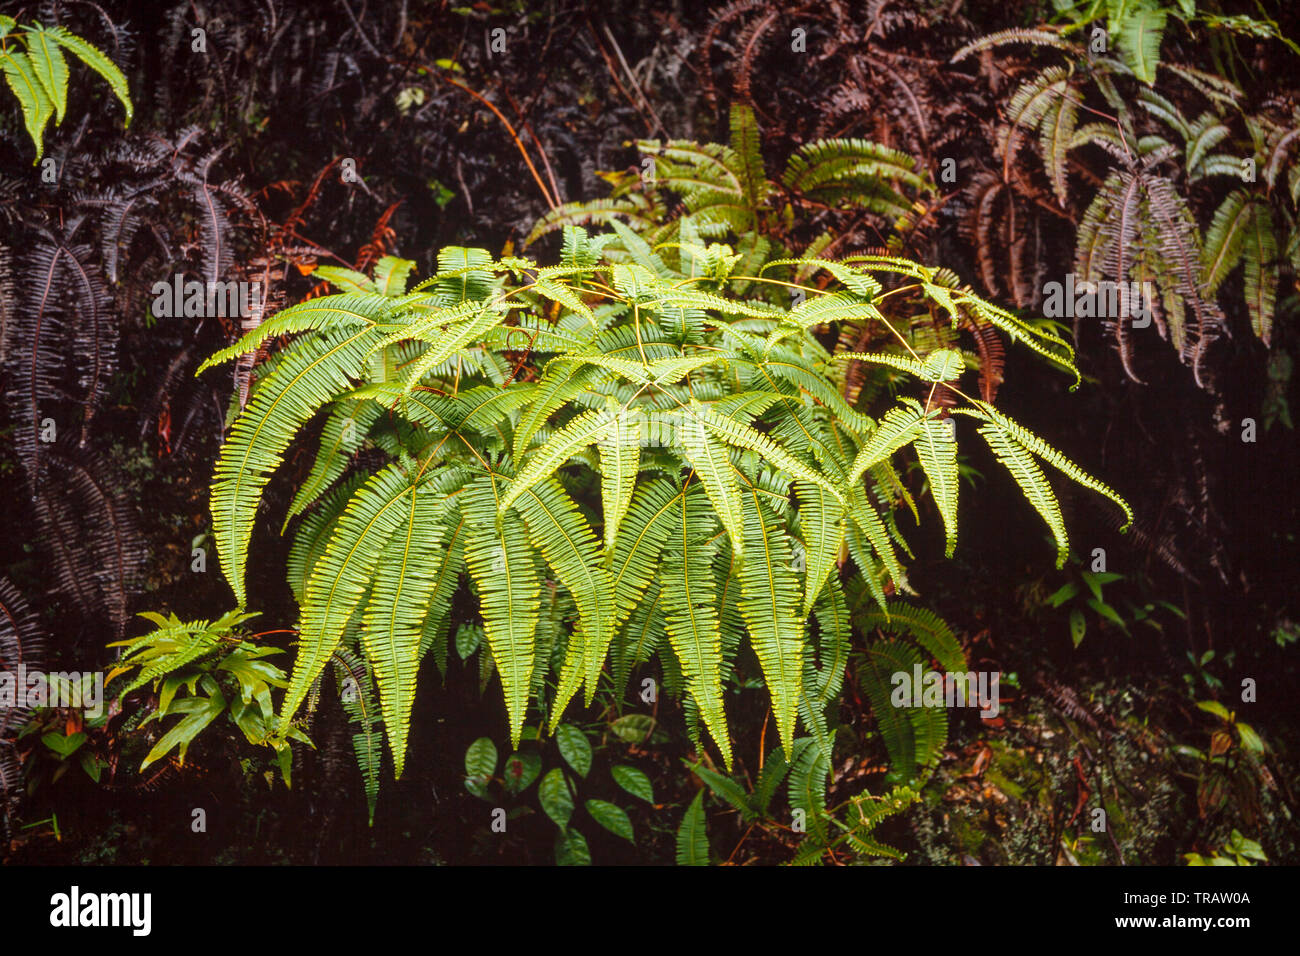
[232, 163]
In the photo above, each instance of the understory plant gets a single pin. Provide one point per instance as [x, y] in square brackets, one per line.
[618, 459]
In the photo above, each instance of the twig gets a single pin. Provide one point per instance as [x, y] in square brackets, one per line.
[550, 200]
[613, 75]
[631, 77]
[361, 32]
[528, 127]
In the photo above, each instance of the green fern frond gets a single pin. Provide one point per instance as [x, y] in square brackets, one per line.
[1140, 35]
[689, 596]
[502, 562]
[1038, 37]
[937, 450]
[770, 608]
[312, 374]
[404, 583]
[562, 535]
[345, 574]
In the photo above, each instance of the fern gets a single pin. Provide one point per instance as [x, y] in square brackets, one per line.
[38, 75]
[695, 434]
[725, 191]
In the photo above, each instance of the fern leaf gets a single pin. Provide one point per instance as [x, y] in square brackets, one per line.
[1225, 239]
[867, 522]
[653, 513]
[90, 55]
[1140, 36]
[937, 451]
[346, 280]
[1038, 37]
[1033, 483]
[770, 608]
[35, 102]
[1056, 135]
[745, 142]
[914, 736]
[586, 429]
[620, 456]
[713, 466]
[743, 436]
[1261, 274]
[502, 563]
[391, 275]
[329, 312]
[344, 433]
[835, 630]
[344, 575]
[689, 597]
[899, 426]
[807, 789]
[51, 69]
[393, 624]
[569, 546]
[821, 519]
[1057, 460]
[692, 838]
[314, 533]
[310, 375]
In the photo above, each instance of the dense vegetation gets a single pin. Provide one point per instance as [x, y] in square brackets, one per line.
[744, 337]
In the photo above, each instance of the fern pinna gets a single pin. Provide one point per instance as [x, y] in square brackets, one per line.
[621, 436]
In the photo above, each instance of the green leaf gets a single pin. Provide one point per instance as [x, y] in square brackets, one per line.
[612, 817]
[503, 566]
[344, 574]
[35, 102]
[1250, 741]
[311, 374]
[938, 454]
[1078, 625]
[97, 61]
[571, 549]
[403, 586]
[1140, 36]
[634, 781]
[770, 609]
[713, 466]
[727, 789]
[200, 711]
[571, 849]
[480, 765]
[1063, 594]
[51, 69]
[1033, 483]
[620, 455]
[690, 602]
[1215, 708]
[586, 429]
[574, 748]
[520, 770]
[92, 765]
[64, 746]
[1108, 612]
[821, 518]
[1093, 583]
[555, 798]
[807, 788]
[692, 840]
[900, 425]
[633, 728]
